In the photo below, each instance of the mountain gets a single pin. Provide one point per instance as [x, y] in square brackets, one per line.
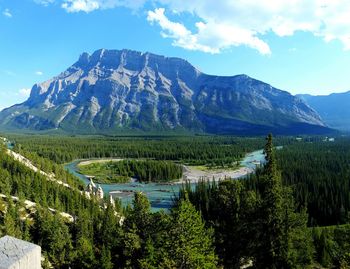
[334, 109]
[113, 91]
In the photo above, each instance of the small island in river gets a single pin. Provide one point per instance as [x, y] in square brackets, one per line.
[122, 171]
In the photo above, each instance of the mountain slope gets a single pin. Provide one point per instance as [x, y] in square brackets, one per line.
[112, 91]
[334, 109]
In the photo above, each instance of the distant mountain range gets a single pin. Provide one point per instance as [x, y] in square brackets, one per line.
[334, 109]
[116, 91]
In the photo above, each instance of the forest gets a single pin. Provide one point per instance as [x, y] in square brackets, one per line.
[292, 213]
[192, 150]
[318, 173]
[266, 218]
[143, 170]
[100, 235]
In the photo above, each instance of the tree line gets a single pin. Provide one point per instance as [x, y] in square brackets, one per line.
[142, 170]
[216, 151]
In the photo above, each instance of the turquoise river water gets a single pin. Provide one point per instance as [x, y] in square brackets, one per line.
[160, 195]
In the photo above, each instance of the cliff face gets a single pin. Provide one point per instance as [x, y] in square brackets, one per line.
[111, 91]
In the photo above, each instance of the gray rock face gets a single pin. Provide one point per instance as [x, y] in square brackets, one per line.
[114, 90]
[18, 254]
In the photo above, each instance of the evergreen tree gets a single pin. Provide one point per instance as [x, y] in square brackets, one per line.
[85, 254]
[136, 230]
[11, 220]
[271, 252]
[59, 243]
[235, 210]
[190, 244]
[283, 239]
[106, 260]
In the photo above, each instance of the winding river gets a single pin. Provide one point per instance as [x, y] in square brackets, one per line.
[160, 195]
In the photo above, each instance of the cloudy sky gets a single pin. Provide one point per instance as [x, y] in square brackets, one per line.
[302, 46]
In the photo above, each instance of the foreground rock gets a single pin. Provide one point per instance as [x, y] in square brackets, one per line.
[18, 254]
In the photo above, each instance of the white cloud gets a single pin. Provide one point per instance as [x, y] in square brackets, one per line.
[80, 5]
[226, 23]
[87, 6]
[210, 37]
[181, 35]
[39, 73]
[24, 92]
[253, 19]
[44, 2]
[7, 13]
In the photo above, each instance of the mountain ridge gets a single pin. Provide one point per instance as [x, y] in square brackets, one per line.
[111, 91]
[334, 108]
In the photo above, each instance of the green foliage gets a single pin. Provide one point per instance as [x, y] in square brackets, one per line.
[49, 166]
[272, 244]
[231, 211]
[158, 240]
[11, 221]
[59, 246]
[85, 254]
[332, 246]
[260, 221]
[122, 171]
[106, 260]
[319, 174]
[194, 150]
[189, 244]
[259, 226]
[17, 180]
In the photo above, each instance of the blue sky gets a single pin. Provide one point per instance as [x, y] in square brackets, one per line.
[302, 46]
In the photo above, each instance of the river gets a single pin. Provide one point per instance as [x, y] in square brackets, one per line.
[160, 195]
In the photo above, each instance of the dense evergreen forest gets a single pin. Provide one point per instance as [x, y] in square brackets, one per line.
[101, 235]
[142, 170]
[259, 220]
[274, 219]
[200, 150]
[319, 173]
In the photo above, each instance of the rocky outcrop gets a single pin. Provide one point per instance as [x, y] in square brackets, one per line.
[16, 253]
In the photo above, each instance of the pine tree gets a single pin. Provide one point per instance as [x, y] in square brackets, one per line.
[283, 238]
[59, 243]
[189, 244]
[106, 260]
[136, 230]
[11, 220]
[85, 254]
[140, 215]
[271, 252]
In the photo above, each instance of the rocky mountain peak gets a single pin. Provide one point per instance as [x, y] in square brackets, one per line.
[131, 60]
[115, 90]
